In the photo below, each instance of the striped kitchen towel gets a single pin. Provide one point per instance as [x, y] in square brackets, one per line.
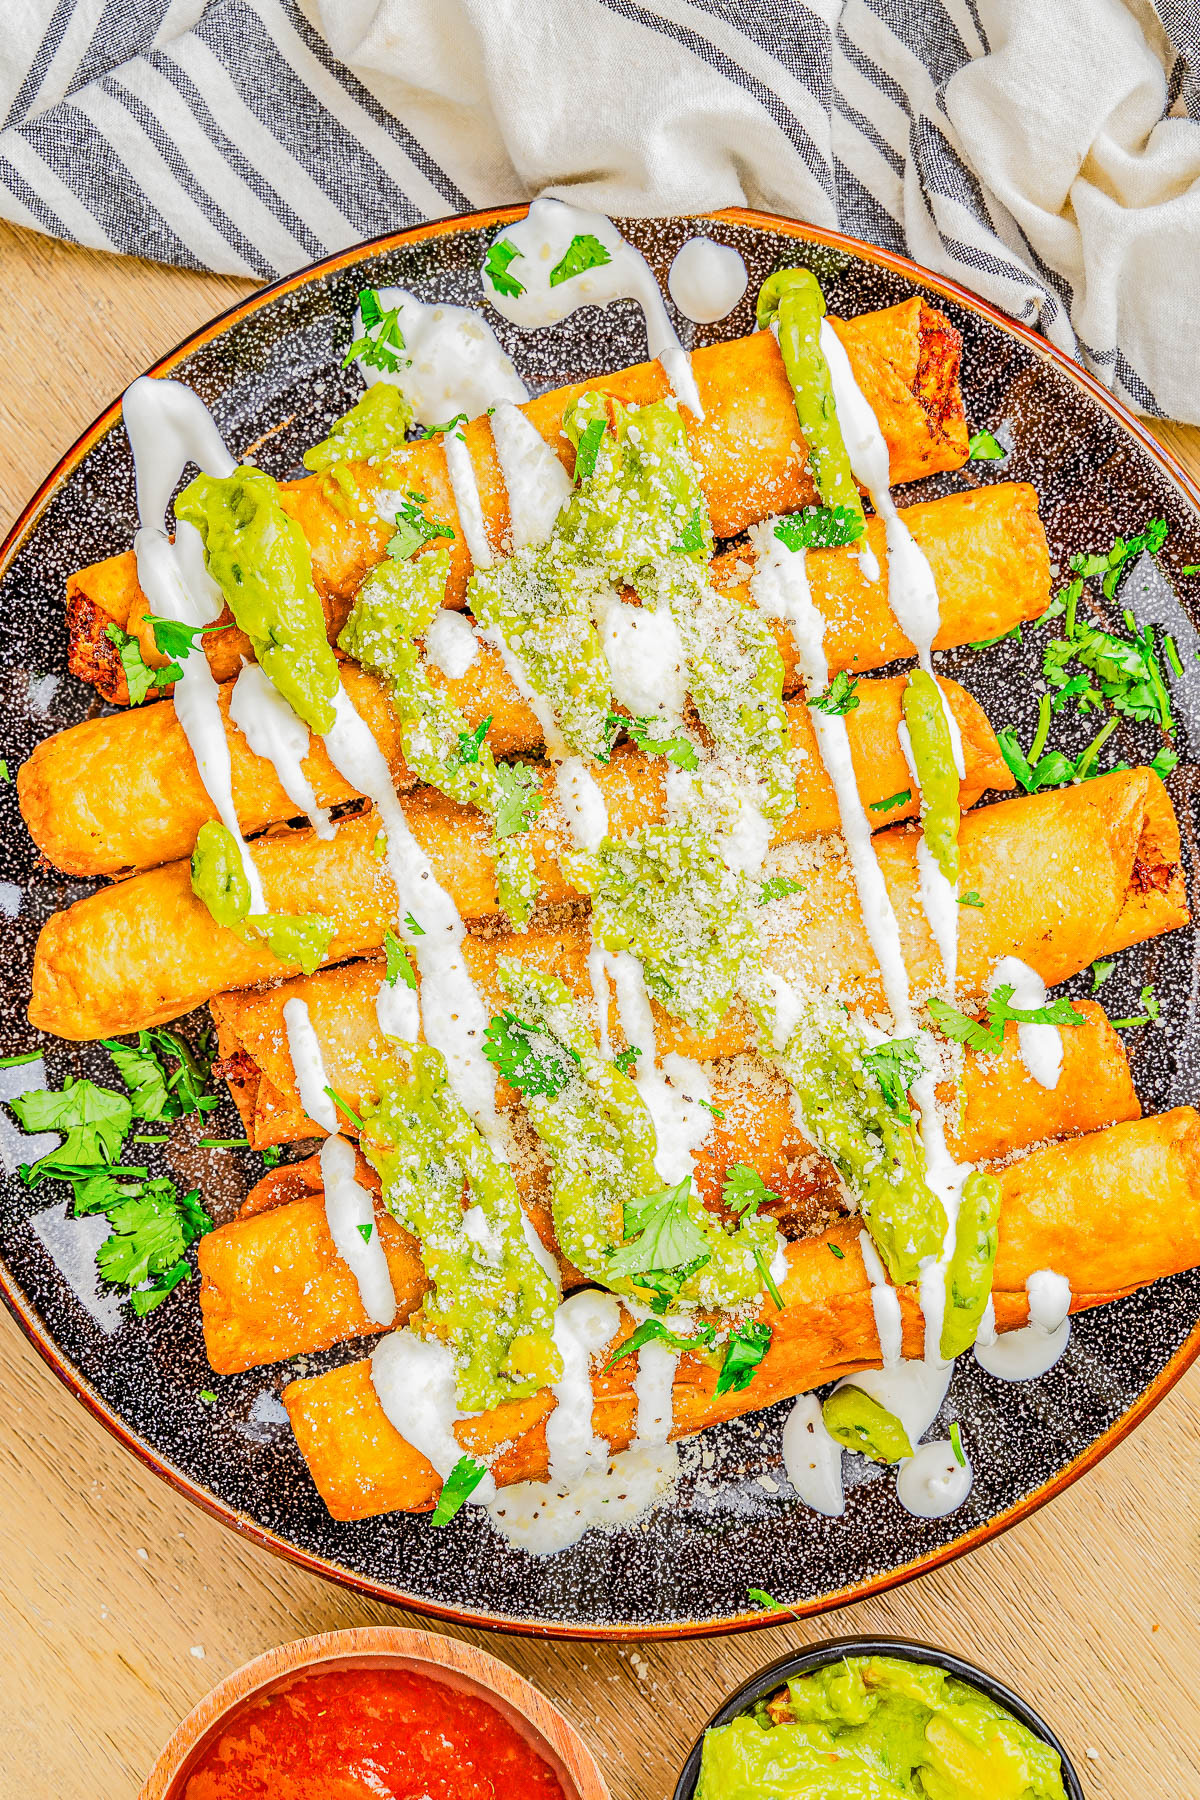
[1045, 152]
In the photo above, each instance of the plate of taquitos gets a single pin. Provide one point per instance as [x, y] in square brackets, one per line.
[675, 867]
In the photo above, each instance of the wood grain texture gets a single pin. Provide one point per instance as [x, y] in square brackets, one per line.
[121, 1605]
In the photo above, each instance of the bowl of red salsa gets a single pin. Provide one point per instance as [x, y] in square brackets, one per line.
[373, 1712]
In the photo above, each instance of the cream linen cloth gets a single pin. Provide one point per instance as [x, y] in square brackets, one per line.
[1044, 152]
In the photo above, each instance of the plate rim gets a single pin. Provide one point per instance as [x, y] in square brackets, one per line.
[163, 1466]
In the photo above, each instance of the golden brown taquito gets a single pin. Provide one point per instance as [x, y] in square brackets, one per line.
[124, 792]
[275, 1286]
[1111, 1212]
[748, 449]
[1065, 877]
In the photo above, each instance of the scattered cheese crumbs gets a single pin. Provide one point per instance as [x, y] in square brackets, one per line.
[1092, 1755]
[197, 1650]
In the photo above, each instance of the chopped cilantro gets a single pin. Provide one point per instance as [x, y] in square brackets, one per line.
[157, 1091]
[820, 528]
[839, 697]
[470, 743]
[173, 638]
[956, 1444]
[496, 265]
[223, 1143]
[654, 1331]
[769, 1282]
[531, 1061]
[518, 799]
[458, 1486]
[342, 1107]
[411, 924]
[382, 340]
[151, 1137]
[208, 1397]
[139, 676]
[836, 1250]
[679, 749]
[776, 887]
[588, 449]
[1001, 638]
[272, 1156]
[14, 1062]
[710, 1108]
[1149, 1013]
[744, 1189]
[986, 1037]
[767, 1601]
[582, 253]
[364, 1232]
[1100, 973]
[747, 1346]
[694, 536]
[895, 1067]
[660, 1234]
[983, 447]
[399, 967]
[432, 431]
[1190, 569]
[1172, 653]
[94, 1121]
[413, 529]
[665, 1284]
[1051, 769]
[625, 1059]
[1164, 762]
[892, 801]
[974, 898]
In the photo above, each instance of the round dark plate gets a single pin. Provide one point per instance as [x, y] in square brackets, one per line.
[819, 1656]
[270, 370]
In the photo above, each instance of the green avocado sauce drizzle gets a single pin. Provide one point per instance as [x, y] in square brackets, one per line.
[792, 301]
[612, 1218]
[878, 1728]
[394, 608]
[491, 1300]
[259, 558]
[937, 772]
[219, 880]
[970, 1270]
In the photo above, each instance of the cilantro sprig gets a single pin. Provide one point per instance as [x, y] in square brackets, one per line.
[582, 253]
[1151, 1009]
[497, 266]
[457, 1488]
[986, 1035]
[173, 638]
[413, 528]
[530, 1060]
[820, 528]
[645, 734]
[839, 697]
[382, 341]
[139, 676]
[747, 1346]
[652, 1331]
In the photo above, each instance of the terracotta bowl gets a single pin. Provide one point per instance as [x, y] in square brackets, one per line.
[457, 1665]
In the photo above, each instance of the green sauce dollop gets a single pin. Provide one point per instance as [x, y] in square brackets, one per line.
[260, 560]
[861, 1423]
[219, 880]
[878, 1728]
[376, 423]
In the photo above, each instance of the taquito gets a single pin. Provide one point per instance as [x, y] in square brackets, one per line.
[124, 792]
[1065, 877]
[748, 450]
[1110, 1212]
[273, 1284]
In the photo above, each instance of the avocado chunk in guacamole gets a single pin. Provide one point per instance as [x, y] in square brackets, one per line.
[878, 1728]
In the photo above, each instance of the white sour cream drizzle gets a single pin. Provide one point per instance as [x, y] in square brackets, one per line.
[647, 665]
[537, 483]
[453, 1013]
[451, 363]
[308, 1065]
[933, 1482]
[414, 1379]
[276, 733]
[1041, 1045]
[461, 471]
[812, 1458]
[543, 238]
[169, 426]
[1025, 1354]
[706, 280]
[350, 1215]
[450, 643]
[653, 1389]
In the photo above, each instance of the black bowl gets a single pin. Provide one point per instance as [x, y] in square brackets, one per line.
[817, 1656]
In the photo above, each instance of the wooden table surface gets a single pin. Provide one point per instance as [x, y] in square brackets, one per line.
[120, 1604]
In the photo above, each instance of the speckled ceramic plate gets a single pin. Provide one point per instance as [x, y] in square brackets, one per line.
[270, 371]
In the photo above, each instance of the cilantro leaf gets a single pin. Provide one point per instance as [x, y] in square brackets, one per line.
[382, 340]
[654, 1331]
[458, 1487]
[343, 1108]
[588, 449]
[820, 528]
[139, 676]
[679, 749]
[144, 1076]
[582, 253]
[531, 1061]
[272, 1156]
[839, 697]
[144, 1300]
[666, 1284]
[987, 1037]
[895, 1067]
[767, 1601]
[413, 529]
[1101, 971]
[892, 801]
[151, 1231]
[983, 447]
[660, 1234]
[747, 1346]
[94, 1121]
[173, 638]
[744, 1189]
[411, 924]
[518, 799]
[973, 898]
[625, 1059]
[364, 1232]
[470, 743]
[776, 887]
[1150, 1010]
[399, 967]
[1164, 762]
[694, 536]
[496, 265]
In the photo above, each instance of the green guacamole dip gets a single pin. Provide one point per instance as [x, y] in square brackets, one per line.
[878, 1728]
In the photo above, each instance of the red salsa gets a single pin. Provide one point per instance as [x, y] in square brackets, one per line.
[371, 1734]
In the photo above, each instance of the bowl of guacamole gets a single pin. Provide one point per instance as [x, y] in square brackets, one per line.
[876, 1719]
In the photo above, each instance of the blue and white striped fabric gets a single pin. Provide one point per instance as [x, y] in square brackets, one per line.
[1044, 152]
